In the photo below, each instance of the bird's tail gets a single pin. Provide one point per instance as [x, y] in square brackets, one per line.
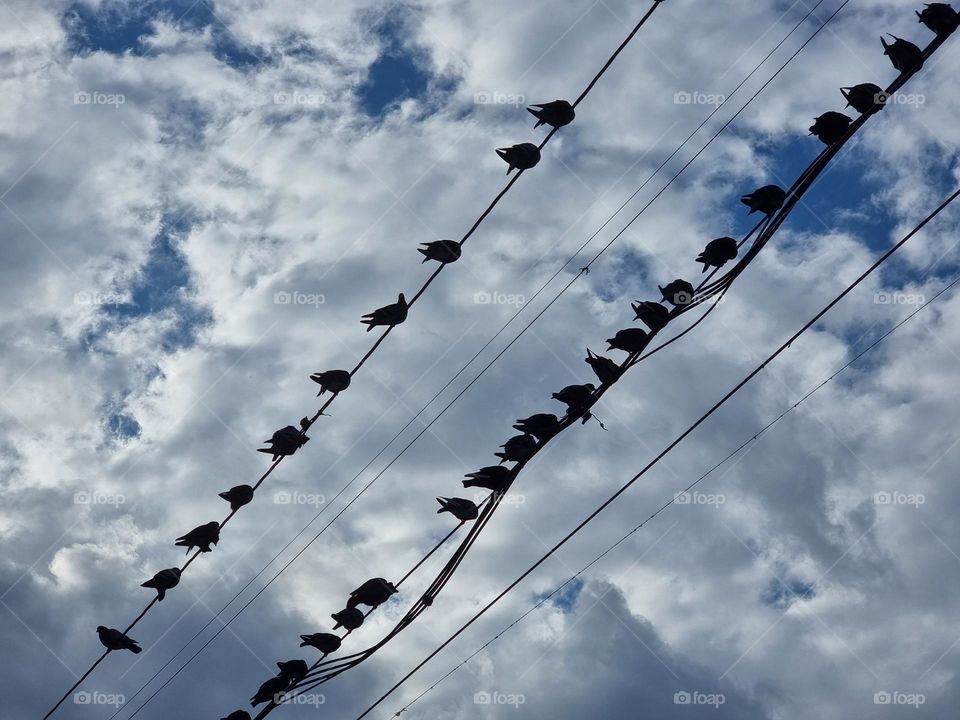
[135, 649]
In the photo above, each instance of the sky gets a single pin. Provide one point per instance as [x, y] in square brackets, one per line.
[201, 199]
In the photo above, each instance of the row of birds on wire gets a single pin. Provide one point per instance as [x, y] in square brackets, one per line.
[679, 295]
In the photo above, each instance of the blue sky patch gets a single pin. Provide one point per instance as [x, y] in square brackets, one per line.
[781, 595]
[398, 73]
[566, 599]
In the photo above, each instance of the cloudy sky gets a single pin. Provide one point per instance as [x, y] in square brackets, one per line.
[171, 171]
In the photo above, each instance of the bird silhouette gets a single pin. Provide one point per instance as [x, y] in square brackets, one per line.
[630, 340]
[606, 370]
[578, 399]
[335, 381]
[518, 448]
[556, 114]
[652, 314]
[678, 293]
[905, 56]
[387, 315]
[113, 639]
[374, 592]
[766, 200]
[461, 508]
[830, 127]
[443, 251]
[941, 18]
[237, 715]
[520, 157]
[285, 441]
[271, 691]
[350, 618]
[717, 253]
[492, 477]
[864, 97]
[542, 425]
[202, 536]
[163, 581]
[292, 670]
[324, 642]
[237, 496]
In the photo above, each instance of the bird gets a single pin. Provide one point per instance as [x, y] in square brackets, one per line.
[678, 293]
[542, 425]
[717, 253]
[163, 581]
[237, 496]
[654, 315]
[350, 618]
[578, 399]
[905, 56]
[293, 670]
[113, 639]
[387, 315]
[202, 536]
[630, 340]
[374, 592]
[492, 477]
[335, 381]
[864, 97]
[520, 157]
[606, 370]
[237, 715]
[555, 114]
[285, 441]
[324, 642]
[767, 199]
[518, 448]
[940, 18]
[461, 508]
[443, 251]
[271, 691]
[830, 127]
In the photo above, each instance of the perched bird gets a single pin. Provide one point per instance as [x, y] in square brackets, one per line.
[520, 157]
[830, 127]
[350, 618]
[518, 448]
[113, 639]
[652, 314]
[631, 340]
[271, 691]
[864, 97]
[237, 496]
[577, 398]
[940, 18]
[555, 114]
[293, 670]
[717, 253]
[541, 425]
[387, 315]
[285, 441]
[767, 200]
[905, 56]
[324, 642]
[444, 251]
[374, 592]
[606, 370]
[335, 381]
[237, 715]
[202, 536]
[163, 581]
[492, 477]
[678, 293]
[461, 508]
